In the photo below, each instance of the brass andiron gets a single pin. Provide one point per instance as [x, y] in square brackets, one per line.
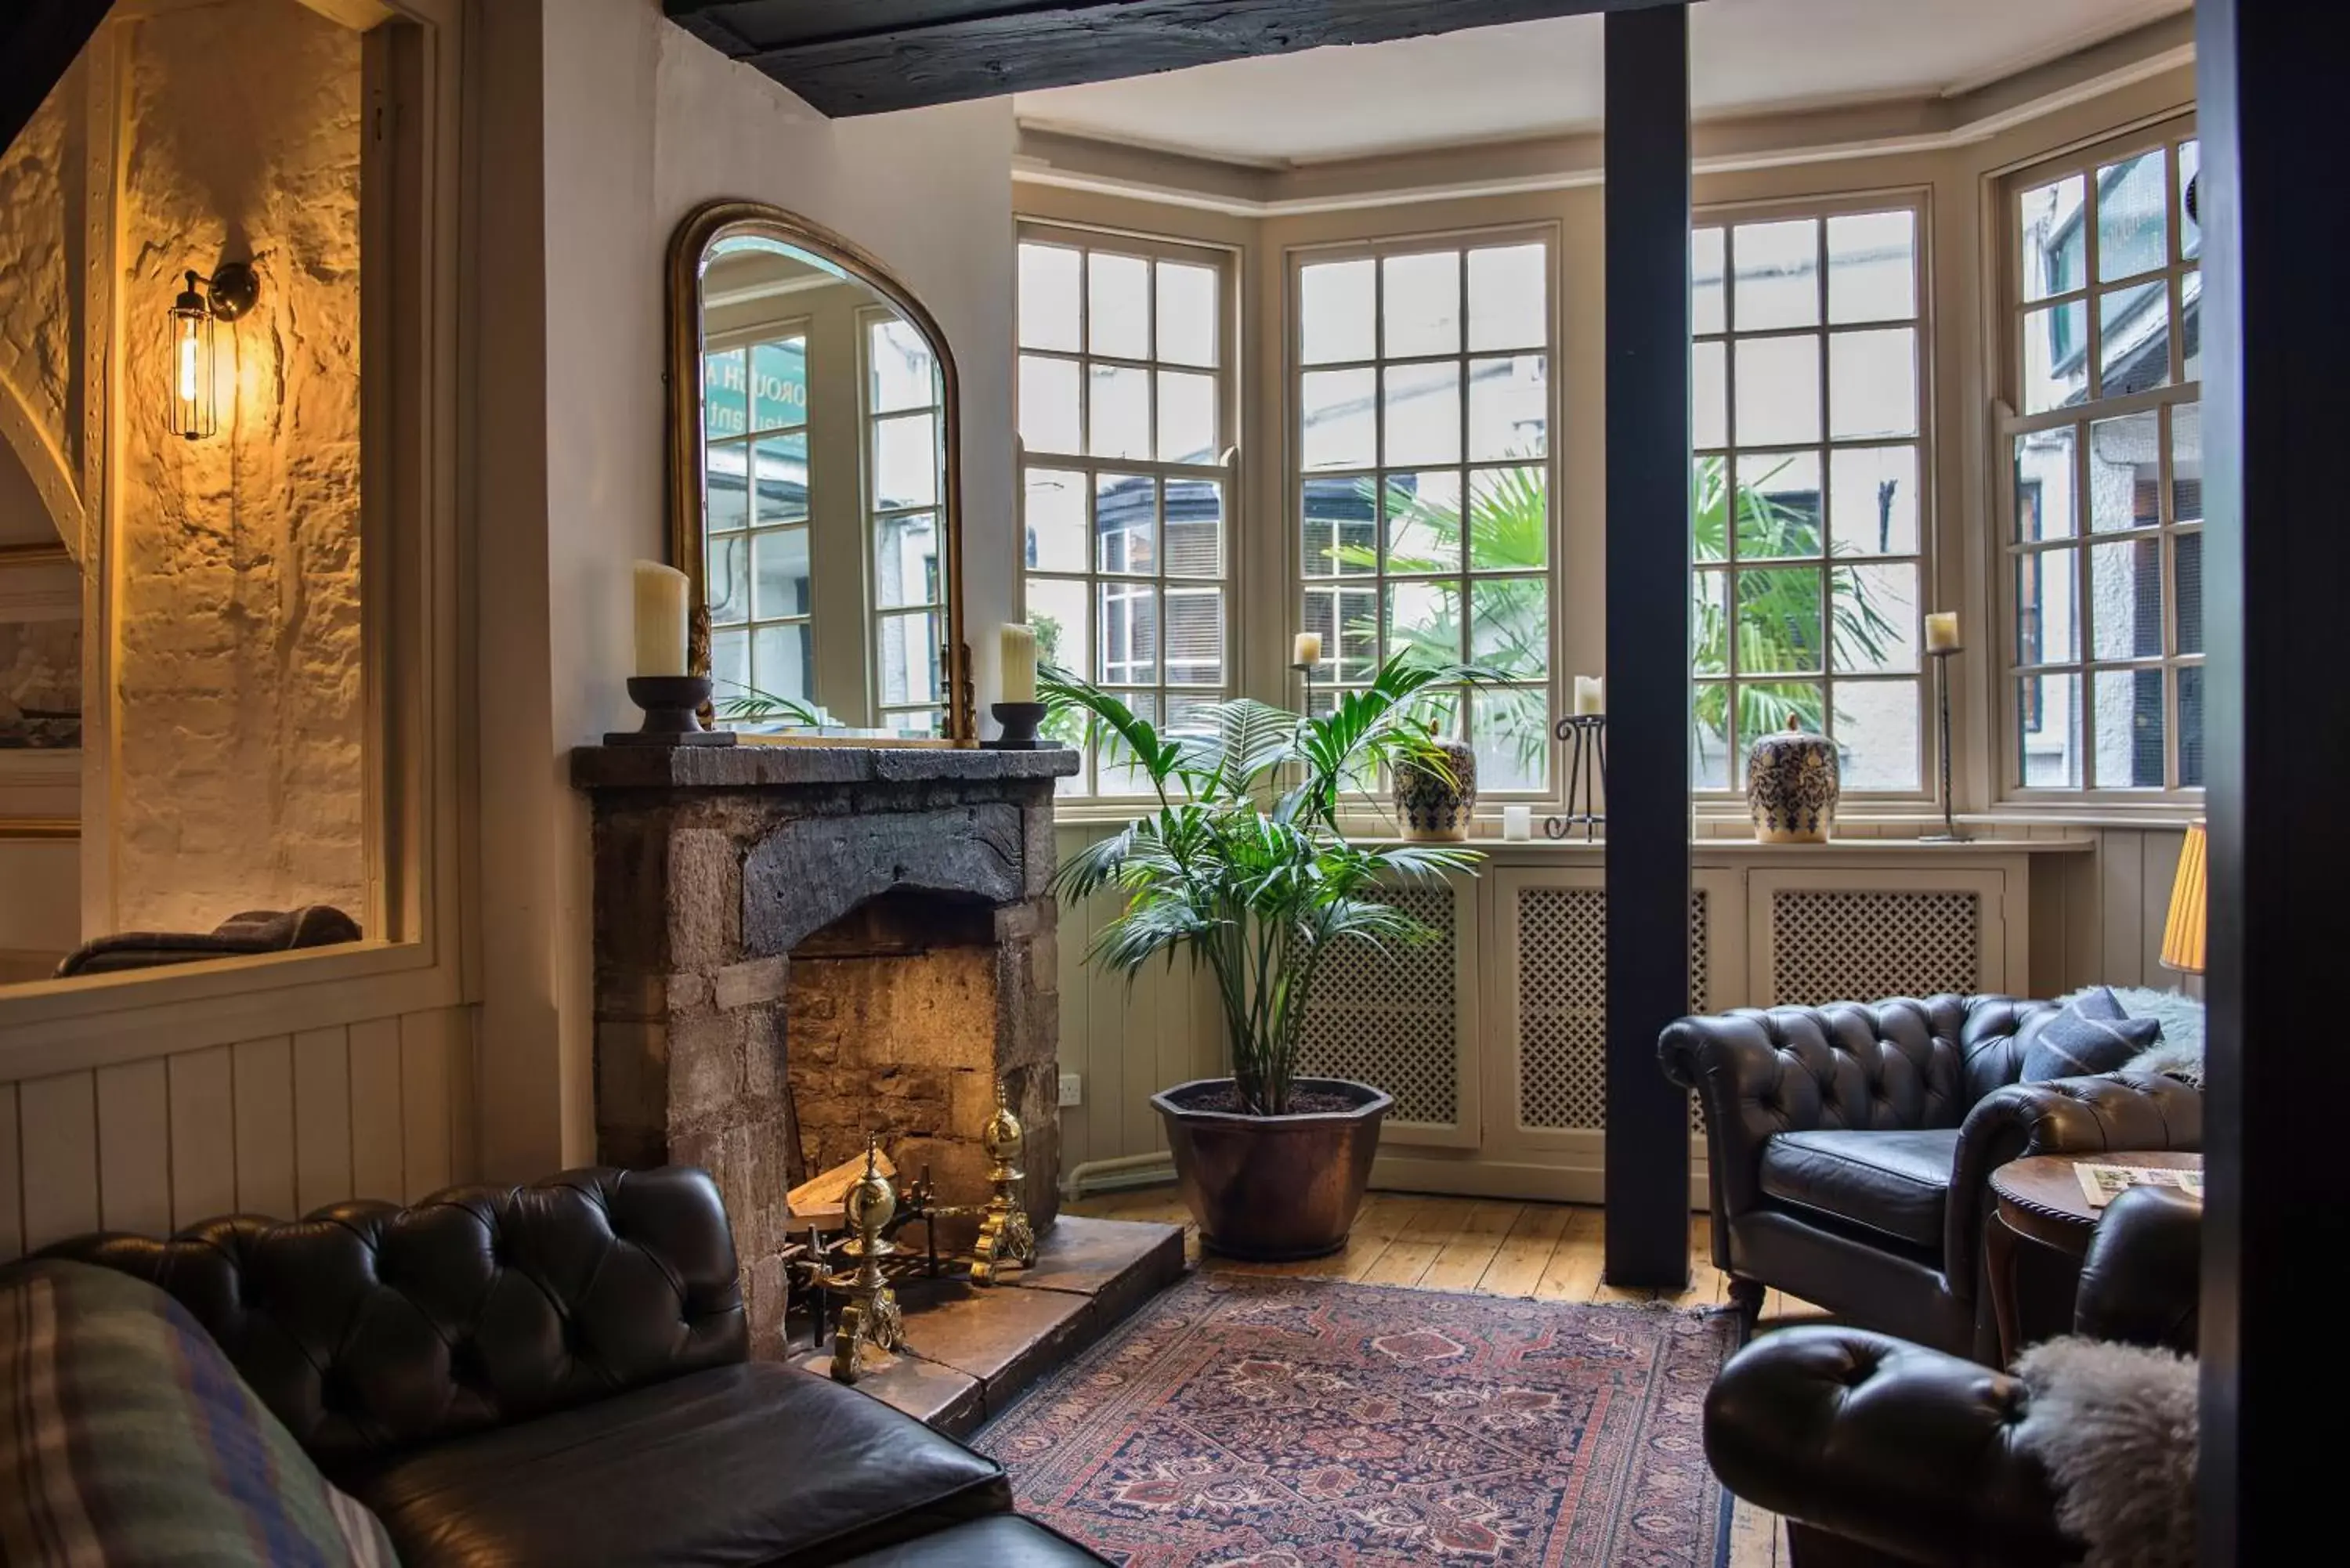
[1005, 1235]
[870, 1317]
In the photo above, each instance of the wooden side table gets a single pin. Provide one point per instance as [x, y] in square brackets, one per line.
[2041, 1199]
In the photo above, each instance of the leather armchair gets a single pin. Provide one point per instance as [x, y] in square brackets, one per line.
[1849, 1147]
[1881, 1452]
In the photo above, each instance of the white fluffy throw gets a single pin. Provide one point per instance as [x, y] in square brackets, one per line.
[2180, 1052]
[2115, 1424]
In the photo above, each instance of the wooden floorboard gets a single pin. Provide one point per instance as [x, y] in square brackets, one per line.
[1549, 1251]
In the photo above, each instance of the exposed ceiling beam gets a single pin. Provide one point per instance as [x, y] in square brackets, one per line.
[869, 57]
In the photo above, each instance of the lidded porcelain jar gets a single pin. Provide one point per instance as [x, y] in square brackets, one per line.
[1434, 807]
[1793, 784]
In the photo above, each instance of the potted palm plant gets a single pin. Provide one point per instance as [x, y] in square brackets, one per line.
[1243, 869]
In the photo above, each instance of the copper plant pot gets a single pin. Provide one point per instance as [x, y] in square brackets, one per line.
[1271, 1189]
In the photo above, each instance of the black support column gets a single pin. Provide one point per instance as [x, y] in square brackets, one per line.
[1648, 638]
[2276, 337]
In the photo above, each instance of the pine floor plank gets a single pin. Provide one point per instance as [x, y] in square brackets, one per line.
[1518, 1262]
[1573, 1272]
[1463, 1263]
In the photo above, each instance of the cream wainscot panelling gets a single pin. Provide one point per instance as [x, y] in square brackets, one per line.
[1492, 1037]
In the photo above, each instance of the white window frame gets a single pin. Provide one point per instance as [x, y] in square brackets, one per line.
[742, 341]
[928, 718]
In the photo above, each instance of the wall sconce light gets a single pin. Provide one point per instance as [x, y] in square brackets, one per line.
[227, 295]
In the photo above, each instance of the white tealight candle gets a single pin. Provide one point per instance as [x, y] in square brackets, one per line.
[662, 594]
[1307, 650]
[1517, 823]
[1019, 661]
[1590, 696]
[1942, 632]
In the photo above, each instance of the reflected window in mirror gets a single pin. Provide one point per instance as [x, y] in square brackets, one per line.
[1127, 419]
[906, 433]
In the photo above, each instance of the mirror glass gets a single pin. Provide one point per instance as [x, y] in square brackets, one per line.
[823, 538]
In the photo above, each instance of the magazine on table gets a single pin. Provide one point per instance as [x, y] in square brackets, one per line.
[2101, 1184]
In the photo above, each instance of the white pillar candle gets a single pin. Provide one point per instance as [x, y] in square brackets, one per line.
[1307, 650]
[1517, 823]
[662, 593]
[1942, 632]
[1019, 662]
[1590, 696]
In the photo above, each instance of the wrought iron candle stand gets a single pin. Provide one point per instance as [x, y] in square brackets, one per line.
[871, 1314]
[1586, 769]
[1005, 1236]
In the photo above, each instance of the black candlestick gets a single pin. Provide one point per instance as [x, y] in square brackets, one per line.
[1950, 833]
[1586, 772]
[1020, 722]
[673, 713]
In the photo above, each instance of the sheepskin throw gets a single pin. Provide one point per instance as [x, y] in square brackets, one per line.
[2115, 1424]
[2092, 1035]
[2180, 1052]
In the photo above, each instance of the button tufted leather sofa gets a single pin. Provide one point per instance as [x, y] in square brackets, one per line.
[1881, 1452]
[1849, 1147]
[556, 1375]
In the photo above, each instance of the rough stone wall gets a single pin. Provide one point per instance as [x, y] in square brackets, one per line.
[239, 770]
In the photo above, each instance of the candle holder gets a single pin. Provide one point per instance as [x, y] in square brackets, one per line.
[1306, 673]
[1586, 769]
[671, 705]
[1951, 833]
[1020, 722]
[1006, 1234]
[872, 1315]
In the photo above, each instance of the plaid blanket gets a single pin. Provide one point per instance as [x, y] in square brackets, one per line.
[126, 1437]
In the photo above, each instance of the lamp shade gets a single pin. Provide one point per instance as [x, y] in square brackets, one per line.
[2182, 934]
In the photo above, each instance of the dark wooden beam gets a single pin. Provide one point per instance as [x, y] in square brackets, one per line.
[38, 41]
[867, 56]
[2277, 745]
[1647, 382]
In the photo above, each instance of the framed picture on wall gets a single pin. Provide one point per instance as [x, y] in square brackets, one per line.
[40, 652]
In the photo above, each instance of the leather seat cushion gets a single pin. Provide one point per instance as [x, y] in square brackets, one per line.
[1006, 1541]
[1895, 1183]
[754, 1464]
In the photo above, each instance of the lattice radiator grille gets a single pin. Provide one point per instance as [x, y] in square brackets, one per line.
[1391, 1018]
[1562, 1004]
[1860, 946]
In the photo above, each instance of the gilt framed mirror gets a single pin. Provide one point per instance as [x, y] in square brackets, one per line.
[815, 486]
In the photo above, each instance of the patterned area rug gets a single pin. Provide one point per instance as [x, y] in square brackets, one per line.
[1285, 1422]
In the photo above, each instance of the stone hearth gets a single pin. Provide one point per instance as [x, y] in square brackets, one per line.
[793, 944]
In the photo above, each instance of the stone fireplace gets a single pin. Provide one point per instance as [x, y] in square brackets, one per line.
[796, 944]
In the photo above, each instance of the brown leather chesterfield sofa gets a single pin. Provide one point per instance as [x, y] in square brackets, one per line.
[1849, 1149]
[556, 1375]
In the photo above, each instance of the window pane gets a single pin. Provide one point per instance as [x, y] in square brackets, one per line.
[1873, 266]
[1767, 708]
[1126, 619]
[1509, 519]
[725, 496]
[730, 580]
[1709, 623]
[2190, 328]
[726, 392]
[1705, 282]
[2056, 258]
[1710, 377]
[2189, 589]
[1056, 609]
[1186, 418]
[1873, 383]
[1188, 314]
[1509, 408]
[2128, 729]
[1710, 751]
[2191, 727]
[1873, 500]
[2125, 596]
[2133, 205]
[1424, 618]
[2190, 231]
[1341, 527]
[1507, 291]
[1778, 392]
[2048, 726]
[1778, 504]
[730, 664]
[1876, 733]
[2125, 473]
[1509, 625]
[2044, 482]
[1055, 521]
[1118, 306]
[1779, 622]
[905, 560]
[1423, 522]
[1511, 734]
[1339, 428]
[1422, 413]
[781, 466]
[1348, 618]
[1195, 636]
[2187, 462]
[1048, 297]
[2133, 340]
[1421, 305]
[1119, 774]
[1335, 311]
[783, 662]
[1195, 527]
[2056, 356]
[1125, 524]
[904, 371]
[1709, 508]
[2047, 622]
[779, 571]
[1117, 411]
[906, 461]
[909, 659]
[1778, 281]
[779, 384]
[1875, 615]
[1048, 404]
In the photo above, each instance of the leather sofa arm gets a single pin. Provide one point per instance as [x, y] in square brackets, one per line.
[1878, 1441]
[2142, 1280]
[2111, 1112]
